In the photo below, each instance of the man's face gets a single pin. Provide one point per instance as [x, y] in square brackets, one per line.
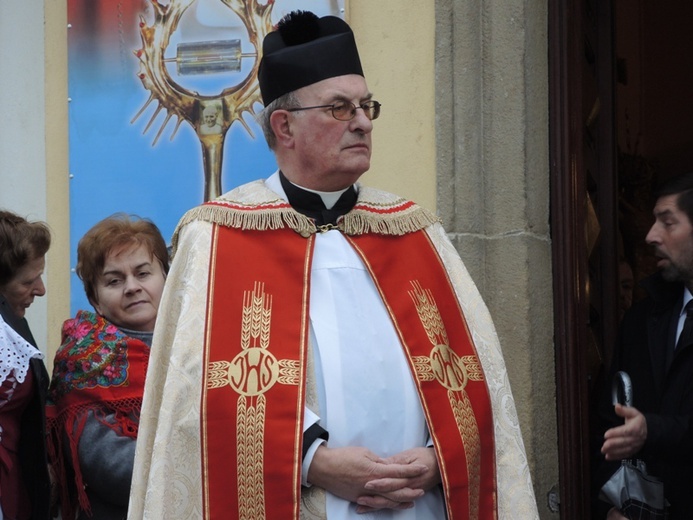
[672, 238]
[329, 154]
[210, 119]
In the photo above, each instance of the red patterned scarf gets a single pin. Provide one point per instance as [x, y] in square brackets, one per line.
[97, 369]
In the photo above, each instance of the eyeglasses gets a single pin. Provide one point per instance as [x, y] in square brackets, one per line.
[346, 111]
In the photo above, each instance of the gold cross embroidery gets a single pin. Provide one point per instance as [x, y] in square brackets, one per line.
[251, 373]
[453, 372]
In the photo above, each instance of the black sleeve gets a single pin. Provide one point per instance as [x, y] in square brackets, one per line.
[312, 434]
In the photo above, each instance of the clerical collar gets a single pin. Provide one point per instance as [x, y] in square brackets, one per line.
[312, 203]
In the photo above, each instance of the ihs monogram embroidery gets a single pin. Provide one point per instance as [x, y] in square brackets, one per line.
[453, 372]
[251, 373]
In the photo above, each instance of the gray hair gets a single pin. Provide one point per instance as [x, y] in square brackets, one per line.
[288, 100]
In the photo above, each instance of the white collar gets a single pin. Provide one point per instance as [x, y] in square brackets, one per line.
[15, 353]
[687, 296]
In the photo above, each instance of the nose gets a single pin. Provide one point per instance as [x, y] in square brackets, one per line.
[652, 237]
[132, 285]
[361, 123]
[39, 288]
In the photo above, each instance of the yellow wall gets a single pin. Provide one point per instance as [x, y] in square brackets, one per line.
[57, 189]
[396, 41]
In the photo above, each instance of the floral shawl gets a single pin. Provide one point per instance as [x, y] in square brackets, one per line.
[97, 369]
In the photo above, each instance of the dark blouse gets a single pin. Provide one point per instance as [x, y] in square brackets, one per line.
[31, 434]
[14, 399]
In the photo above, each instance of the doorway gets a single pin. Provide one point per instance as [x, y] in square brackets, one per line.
[620, 123]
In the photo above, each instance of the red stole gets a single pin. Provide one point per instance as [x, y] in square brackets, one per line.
[255, 353]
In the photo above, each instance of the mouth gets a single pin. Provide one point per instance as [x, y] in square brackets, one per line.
[20, 309]
[135, 304]
[358, 146]
[662, 260]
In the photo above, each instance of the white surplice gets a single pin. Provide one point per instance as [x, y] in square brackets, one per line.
[365, 388]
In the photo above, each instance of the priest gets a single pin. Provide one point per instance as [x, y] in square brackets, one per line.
[321, 351]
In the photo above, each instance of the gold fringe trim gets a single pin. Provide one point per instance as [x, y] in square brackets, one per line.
[375, 212]
[260, 220]
[361, 221]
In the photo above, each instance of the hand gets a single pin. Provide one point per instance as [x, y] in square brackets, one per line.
[615, 514]
[625, 441]
[344, 472]
[391, 492]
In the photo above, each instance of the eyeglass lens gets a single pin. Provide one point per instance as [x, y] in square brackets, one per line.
[345, 111]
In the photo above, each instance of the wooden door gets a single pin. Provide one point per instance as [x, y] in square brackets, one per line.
[583, 226]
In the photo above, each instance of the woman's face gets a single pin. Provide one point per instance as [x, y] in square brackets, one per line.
[21, 290]
[129, 289]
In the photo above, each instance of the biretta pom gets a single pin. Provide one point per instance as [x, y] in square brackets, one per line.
[303, 50]
[299, 27]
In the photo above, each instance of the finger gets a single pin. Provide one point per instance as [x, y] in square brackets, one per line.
[614, 443]
[386, 485]
[612, 448]
[360, 510]
[612, 433]
[400, 471]
[617, 435]
[626, 412]
[617, 455]
[618, 451]
[402, 494]
[377, 502]
[401, 459]
[365, 509]
[624, 431]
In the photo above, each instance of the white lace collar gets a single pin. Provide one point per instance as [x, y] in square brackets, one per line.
[15, 353]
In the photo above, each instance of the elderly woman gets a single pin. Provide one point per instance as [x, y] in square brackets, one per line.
[24, 482]
[99, 370]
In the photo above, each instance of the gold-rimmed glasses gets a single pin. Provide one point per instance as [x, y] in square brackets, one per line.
[346, 111]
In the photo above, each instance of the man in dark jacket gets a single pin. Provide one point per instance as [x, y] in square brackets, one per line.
[656, 350]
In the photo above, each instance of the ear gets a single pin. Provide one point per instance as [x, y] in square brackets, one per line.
[281, 126]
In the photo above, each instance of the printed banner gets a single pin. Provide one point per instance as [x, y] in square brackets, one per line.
[163, 97]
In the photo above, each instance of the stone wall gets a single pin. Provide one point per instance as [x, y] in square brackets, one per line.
[493, 193]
